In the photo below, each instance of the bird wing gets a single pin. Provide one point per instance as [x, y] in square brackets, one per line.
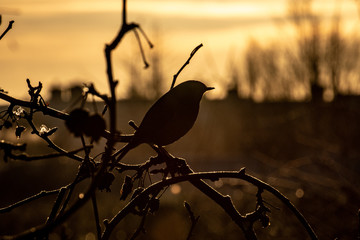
[155, 120]
[175, 124]
[168, 119]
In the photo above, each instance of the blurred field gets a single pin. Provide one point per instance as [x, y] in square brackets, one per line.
[309, 151]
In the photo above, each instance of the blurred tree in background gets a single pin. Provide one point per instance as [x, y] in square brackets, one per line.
[267, 123]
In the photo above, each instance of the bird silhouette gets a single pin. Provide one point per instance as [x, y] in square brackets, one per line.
[169, 118]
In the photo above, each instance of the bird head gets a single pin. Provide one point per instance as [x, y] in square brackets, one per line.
[192, 90]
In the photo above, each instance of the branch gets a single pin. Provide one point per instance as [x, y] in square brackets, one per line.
[156, 187]
[193, 219]
[25, 157]
[285, 200]
[51, 144]
[57, 204]
[186, 63]
[29, 199]
[227, 205]
[111, 137]
[96, 216]
[140, 228]
[112, 83]
[7, 29]
[359, 224]
[141, 49]
[46, 110]
[244, 222]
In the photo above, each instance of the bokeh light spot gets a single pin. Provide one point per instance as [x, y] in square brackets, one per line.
[299, 193]
[90, 236]
[219, 184]
[81, 195]
[175, 189]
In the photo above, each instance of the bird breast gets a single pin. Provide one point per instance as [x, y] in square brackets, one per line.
[172, 123]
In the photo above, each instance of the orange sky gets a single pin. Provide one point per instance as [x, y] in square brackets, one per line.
[58, 42]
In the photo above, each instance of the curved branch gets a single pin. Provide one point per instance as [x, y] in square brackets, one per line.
[227, 205]
[257, 182]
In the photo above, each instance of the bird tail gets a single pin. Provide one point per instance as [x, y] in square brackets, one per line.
[120, 154]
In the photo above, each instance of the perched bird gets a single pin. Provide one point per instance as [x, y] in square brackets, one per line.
[169, 118]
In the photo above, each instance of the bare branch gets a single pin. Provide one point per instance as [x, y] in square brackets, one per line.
[51, 144]
[358, 224]
[57, 204]
[193, 219]
[151, 45]
[112, 137]
[96, 215]
[140, 228]
[186, 63]
[141, 48]
[46, 110]
[25, 157]
[7, 29]
[29, 199]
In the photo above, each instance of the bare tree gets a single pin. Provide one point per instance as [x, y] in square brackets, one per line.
[252, 63]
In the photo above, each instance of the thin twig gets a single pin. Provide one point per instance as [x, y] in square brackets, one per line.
[29, 199]
[359, 224]
[193, 219]
[7, 29]
[57, 204]
[68, 196]
[141, 48]
[51, 144]
[25, 157]
[141, 225]
[186, 63]
[151, 45]
[124, 12]
[96, 216]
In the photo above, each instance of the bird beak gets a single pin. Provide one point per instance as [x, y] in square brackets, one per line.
[209, 88]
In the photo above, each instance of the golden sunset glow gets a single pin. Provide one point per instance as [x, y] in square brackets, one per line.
[179, 119]
[208, 9]
[59, 43]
